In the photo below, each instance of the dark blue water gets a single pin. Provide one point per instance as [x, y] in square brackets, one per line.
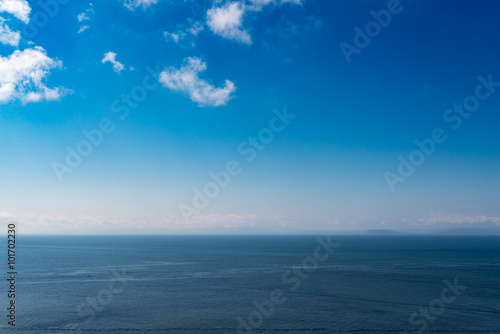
[195, 284]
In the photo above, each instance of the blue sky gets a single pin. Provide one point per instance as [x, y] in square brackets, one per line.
[202, 78]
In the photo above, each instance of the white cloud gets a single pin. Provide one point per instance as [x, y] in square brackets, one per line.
[82, 29]
[8, 36]
[196, 28]
[134, 4]
[174, 36]
[85, 16]
[22, 75]
[185, 37]
[111, 57]
[19, 8]
[186, 80]
[227, 22]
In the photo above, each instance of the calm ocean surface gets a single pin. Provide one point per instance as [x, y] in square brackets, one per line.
[208, 284]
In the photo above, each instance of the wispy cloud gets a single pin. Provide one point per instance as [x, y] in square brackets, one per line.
[262, 2]
[196, 28]
[55, 223]
[85, 16]
[439, 217]
[8, 36]
[435, 220]
[22, 77]
[134, 4]
[224, 221]
[258, 4]
[185, 36]
[174, 36]
[82, 29]
[186, 80]
[297, 2]
[111, 58]
[19, 8]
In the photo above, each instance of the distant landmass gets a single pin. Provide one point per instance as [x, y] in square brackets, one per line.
[468, 231]
[450, 231]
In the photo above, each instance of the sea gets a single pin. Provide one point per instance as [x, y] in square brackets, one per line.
[252, 284]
